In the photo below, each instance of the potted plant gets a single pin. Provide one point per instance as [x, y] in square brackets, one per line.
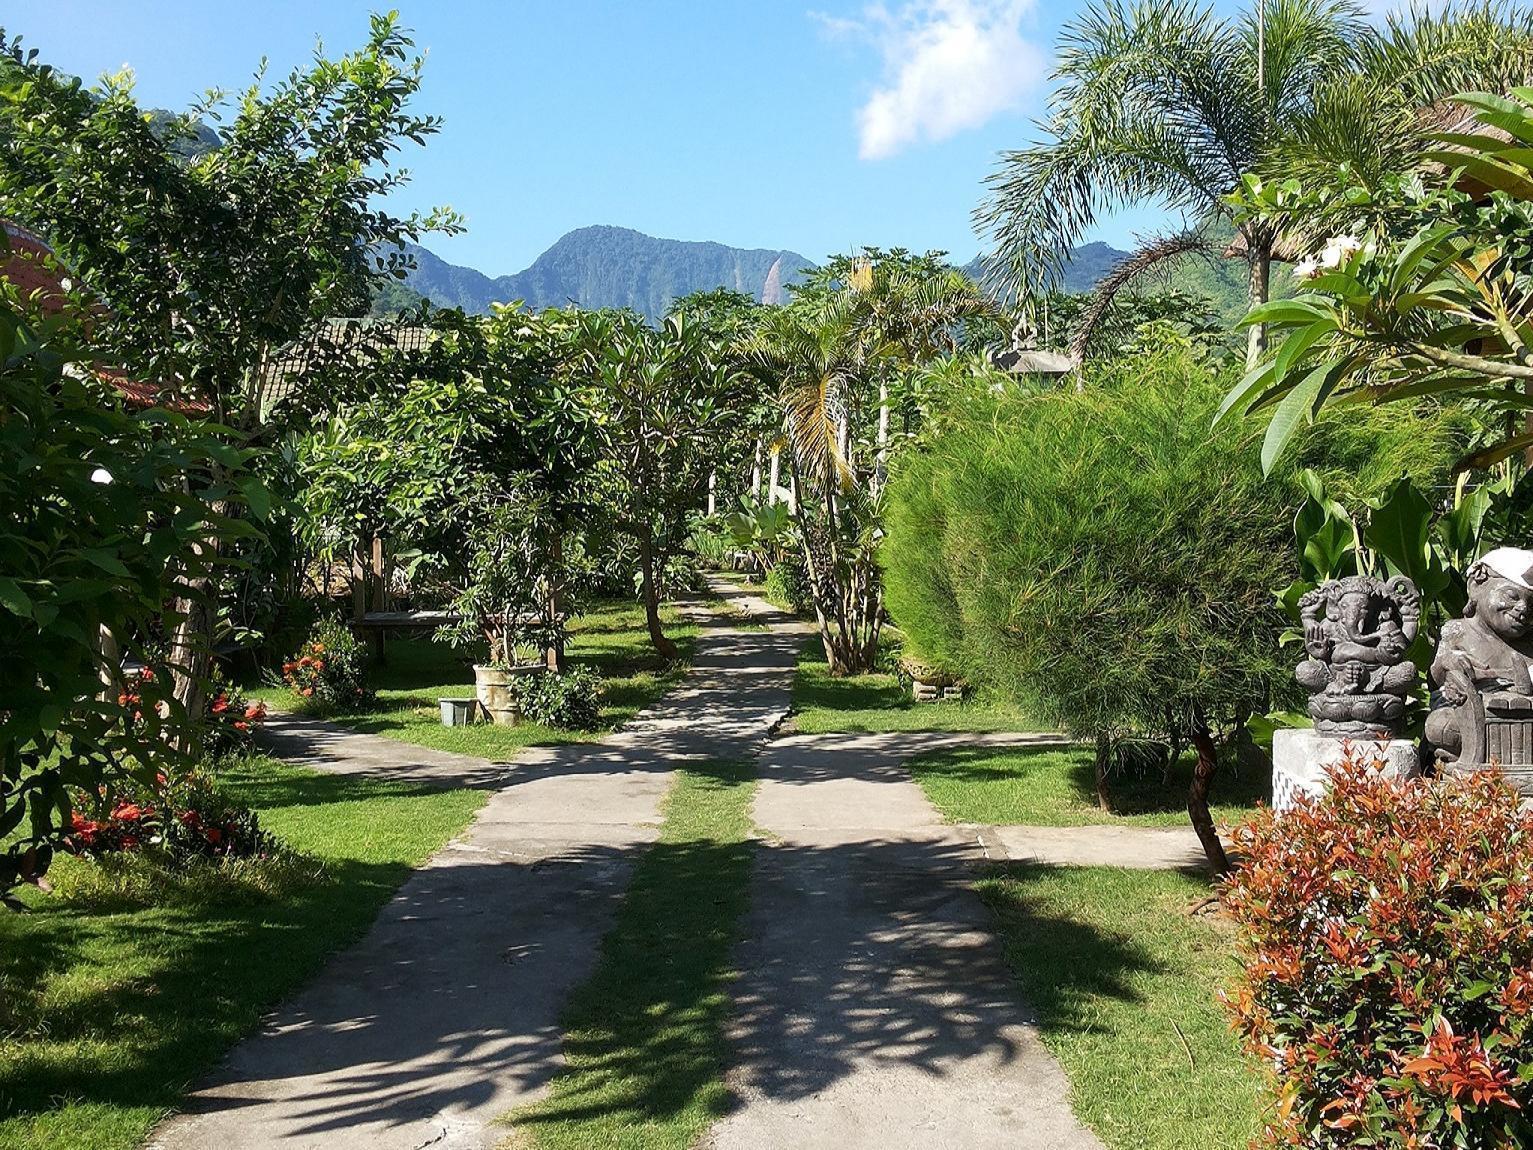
[503, 606]
[929, 683]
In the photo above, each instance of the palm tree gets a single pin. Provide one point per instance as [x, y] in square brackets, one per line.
[1161, 100]
[860, 325]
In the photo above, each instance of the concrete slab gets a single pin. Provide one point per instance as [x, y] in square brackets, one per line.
[875, 1009]
[1139, 848]
[445, 1017]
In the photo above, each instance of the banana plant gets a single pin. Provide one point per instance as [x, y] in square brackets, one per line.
[764, 529]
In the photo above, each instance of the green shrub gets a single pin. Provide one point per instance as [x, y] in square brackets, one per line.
[787, 585]
[330, 670]
[1100, 555]
[1387, 937]
[571, 700]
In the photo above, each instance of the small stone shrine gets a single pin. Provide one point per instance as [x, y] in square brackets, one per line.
[1357, 632]
[1482, 688]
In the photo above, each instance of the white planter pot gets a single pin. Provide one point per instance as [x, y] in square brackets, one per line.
[492, 687]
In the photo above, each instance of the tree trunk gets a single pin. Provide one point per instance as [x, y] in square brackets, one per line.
[651, 592]
[358, 581]
[553, 607]
[191, 652]
[1258, 285]
[772, 479]
[1101, 764]
[1197, 794]
[380, 573]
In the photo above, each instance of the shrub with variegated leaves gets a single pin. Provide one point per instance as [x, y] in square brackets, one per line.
[1386, 932]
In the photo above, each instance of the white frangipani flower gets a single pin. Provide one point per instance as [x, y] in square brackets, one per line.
[1338, 250]
[101, 475]
[1306, 269]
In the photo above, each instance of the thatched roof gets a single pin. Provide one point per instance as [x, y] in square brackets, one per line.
[355, 343]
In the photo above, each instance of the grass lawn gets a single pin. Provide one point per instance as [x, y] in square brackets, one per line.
[875, 703]
[417, 673]
[644, 1036]
[1122, 980]
[1055, 787]
[117, 991]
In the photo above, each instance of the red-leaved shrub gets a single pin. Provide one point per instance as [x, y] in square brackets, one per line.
[1386, 932]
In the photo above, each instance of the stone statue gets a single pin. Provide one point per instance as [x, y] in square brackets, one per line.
[1356, 632]
[1483, 689]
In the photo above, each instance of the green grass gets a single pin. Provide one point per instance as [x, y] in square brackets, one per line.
[1122, 980]
[876, 703]
[121, 988]
[416, 673]
[1055, 787]
[644, 1037]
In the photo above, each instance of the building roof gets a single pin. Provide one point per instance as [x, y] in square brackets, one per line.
[355, 342]
[31, 266]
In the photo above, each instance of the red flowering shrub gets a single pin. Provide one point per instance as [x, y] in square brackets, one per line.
[1387, 936]
[181, 820]
[329, 669]
[231, 720]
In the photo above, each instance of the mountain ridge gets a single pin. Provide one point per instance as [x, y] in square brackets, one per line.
[603, 265]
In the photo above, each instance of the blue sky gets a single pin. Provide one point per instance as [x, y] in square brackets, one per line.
[818, 128]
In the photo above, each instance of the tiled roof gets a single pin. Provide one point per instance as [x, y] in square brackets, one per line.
[31, 266]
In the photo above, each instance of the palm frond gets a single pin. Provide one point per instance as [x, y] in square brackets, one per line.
[1153, 255]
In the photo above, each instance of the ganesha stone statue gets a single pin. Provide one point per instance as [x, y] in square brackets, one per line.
[1357, 631]
[1482, 685]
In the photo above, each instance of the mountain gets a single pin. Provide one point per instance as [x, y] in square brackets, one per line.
[1086, 265]
[611, 267]
[603, 266]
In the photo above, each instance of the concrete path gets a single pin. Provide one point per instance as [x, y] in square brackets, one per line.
[325, 746]
[445, 1017]
[874, 1009]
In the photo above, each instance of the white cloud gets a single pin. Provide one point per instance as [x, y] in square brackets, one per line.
[948, 66]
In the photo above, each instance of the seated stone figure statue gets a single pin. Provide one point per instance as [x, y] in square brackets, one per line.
[1356, 633]
[1481, 675]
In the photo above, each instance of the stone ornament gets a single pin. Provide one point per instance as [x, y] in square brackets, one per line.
[1357, 631]
[1482, 677]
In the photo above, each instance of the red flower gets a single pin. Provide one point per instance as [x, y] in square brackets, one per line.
[128, 812]
[214, 836]
[220, 704]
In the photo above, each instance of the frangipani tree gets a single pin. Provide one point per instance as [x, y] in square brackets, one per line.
[1434, 299]
[210, 259]
[659, 399]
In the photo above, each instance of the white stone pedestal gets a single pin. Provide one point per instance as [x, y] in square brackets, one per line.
[1301, 758]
